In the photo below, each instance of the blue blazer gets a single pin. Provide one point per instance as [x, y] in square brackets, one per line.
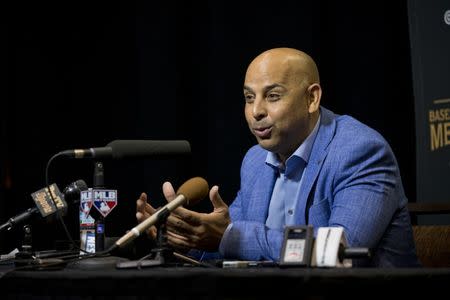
[352, 180]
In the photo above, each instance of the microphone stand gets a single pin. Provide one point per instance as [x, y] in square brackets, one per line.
[26, 251]
[99, 262]
[100, 220]
[163, 254]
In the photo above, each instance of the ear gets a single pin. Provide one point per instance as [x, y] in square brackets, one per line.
[314, 96]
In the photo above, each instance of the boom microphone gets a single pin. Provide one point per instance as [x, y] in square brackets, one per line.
[190, 192]
[120, 149]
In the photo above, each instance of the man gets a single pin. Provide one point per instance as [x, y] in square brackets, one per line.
[310, 167]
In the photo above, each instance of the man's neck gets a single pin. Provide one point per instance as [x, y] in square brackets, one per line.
[311, 124]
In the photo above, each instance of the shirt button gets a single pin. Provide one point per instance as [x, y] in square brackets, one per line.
[291, 211]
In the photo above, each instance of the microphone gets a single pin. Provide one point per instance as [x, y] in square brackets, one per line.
[189, 193]
[331, 250]
[44, 202]
[121, 149]
[73, 191]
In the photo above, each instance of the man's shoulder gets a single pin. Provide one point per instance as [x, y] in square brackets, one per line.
[356, 141]
[350, 128]
[351, 136]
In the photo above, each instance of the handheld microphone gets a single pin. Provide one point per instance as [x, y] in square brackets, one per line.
[44, 203]
[121, 149]
[189, 193]
[72, 191]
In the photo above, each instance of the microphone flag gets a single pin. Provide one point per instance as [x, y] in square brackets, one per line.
[104, 200]
[45, 201]
[86, 202]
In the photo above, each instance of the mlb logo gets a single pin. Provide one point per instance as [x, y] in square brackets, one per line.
[86, 201]
[104, 200]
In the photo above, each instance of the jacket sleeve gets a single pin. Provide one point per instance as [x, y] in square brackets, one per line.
[249, 240]
[367, 191]
[246, 238]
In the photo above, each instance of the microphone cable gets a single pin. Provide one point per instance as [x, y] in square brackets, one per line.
[58, 211]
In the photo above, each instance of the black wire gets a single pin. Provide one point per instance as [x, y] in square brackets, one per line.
[58, 211]
[64, 260]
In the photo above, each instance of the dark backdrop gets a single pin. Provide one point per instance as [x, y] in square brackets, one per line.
[81, 75]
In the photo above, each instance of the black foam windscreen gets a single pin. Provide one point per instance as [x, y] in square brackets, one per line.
[146, 148]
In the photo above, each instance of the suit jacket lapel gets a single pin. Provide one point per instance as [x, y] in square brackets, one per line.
[262, 193]
[318, 153]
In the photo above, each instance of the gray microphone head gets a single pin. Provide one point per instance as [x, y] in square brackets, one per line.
[149, 148]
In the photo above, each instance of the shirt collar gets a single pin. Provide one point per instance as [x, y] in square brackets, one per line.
[303, 151]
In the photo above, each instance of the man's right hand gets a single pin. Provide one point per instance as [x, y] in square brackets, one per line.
[143, 211]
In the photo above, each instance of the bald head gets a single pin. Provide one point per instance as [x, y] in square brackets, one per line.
[291, 62]
[282, 99]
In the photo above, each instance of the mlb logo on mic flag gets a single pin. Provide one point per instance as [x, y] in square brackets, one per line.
[105, 200]
[86, 202]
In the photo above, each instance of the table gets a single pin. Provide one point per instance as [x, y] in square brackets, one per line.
[188, 282]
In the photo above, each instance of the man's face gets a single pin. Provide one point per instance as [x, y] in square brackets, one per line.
[276, 107]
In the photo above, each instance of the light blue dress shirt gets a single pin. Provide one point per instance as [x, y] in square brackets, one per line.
[288, 183]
